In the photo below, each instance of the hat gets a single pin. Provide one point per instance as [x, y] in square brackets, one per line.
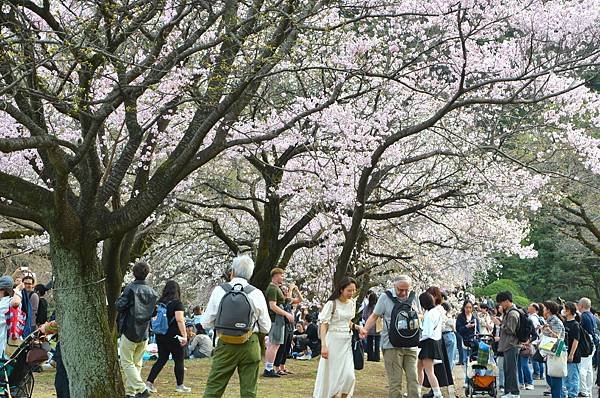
[6, 282]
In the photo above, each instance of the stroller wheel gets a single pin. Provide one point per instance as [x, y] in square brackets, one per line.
[25, 387]
[493, 391]
[468, 390]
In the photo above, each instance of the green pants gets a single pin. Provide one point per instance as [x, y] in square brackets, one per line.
[229, 357]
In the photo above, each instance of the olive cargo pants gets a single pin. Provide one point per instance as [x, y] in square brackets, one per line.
[229, 357]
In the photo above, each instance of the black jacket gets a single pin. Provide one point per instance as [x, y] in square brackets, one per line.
[135, 307]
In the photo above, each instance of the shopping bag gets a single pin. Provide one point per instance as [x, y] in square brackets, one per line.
[557, 365]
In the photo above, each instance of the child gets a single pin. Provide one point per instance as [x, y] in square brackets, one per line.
[6, 293]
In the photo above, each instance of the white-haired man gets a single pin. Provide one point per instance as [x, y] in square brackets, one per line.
[397, 359]
[243, 357]
[586, 368]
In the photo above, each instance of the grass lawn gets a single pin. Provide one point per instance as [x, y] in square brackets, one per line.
[371, 381]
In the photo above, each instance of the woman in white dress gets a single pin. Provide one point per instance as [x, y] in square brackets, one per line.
[335, 376]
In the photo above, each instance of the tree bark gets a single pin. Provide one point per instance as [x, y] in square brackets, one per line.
[269, 250]
[90, 356]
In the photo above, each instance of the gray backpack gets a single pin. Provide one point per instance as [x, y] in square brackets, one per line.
[233, 324]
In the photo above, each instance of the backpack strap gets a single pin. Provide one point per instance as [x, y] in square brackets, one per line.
[391, 296]
[226, 286]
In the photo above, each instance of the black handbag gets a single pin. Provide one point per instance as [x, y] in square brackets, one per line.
[358, 353]
[537, 356]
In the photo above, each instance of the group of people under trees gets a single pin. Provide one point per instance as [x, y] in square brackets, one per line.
[24, 310]
[419, 350]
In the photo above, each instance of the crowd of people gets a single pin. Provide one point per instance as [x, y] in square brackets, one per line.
[421, 337]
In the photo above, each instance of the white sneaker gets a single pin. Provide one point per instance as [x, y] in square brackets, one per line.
[151, 387]
[510, 396]
[529, 387]
[183, 388]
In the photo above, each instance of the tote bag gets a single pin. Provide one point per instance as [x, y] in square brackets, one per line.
[357, 352]
[557, 365]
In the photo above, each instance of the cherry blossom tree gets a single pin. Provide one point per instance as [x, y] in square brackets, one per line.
[111, 110]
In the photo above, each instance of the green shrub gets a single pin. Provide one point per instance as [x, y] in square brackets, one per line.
[521, 301]
[501, 285]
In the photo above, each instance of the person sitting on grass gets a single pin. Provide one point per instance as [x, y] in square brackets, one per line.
[200, 344]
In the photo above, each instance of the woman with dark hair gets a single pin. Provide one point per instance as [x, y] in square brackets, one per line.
[373, 336]
[467, 325]
[572, 339]
[553, 328]
[174, 340]
[442, 368]
[335, 375]
[430, 343]
[42, 312]
[436, 293]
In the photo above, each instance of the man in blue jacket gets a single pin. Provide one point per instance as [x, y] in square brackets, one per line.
[586, 369]
[135, 306]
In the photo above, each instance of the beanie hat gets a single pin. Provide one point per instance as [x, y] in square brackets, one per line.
[6, 282]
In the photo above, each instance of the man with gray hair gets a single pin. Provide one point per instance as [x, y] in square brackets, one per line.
[244, 356]
[398, 356]
[586, 368]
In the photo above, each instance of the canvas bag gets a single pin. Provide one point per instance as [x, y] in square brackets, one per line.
[557, 365]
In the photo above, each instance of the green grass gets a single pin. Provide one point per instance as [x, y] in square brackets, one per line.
[371, 381]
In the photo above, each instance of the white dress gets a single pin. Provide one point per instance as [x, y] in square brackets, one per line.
[335, 375]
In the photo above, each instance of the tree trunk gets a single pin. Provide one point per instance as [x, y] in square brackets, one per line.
[350, 242]
[269, 249]
[89, 355]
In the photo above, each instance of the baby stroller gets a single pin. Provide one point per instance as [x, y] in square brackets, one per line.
[481, 368]
[16, 377]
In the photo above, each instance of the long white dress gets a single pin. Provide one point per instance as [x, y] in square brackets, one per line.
[335, 375]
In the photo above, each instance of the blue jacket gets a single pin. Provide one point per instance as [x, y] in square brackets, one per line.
[588, 323]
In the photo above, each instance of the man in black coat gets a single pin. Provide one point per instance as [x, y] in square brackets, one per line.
[135, 306]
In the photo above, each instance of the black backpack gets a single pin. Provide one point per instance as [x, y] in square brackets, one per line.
[233, 323]
[525, 328]
[586, 345]
[404, 329]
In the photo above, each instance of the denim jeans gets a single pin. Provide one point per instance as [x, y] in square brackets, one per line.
[450, 342]
[461, 351]
[556, 386]
[500, 363]
[524, 371]
[538, 368]
[572, 379]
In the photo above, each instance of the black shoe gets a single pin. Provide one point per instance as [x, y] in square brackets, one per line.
[428, 395]
[144, 394]
[270, 373]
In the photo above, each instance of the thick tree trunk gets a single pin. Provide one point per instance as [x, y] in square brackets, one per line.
[88, 344]
[269, 250]
[266, 260]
